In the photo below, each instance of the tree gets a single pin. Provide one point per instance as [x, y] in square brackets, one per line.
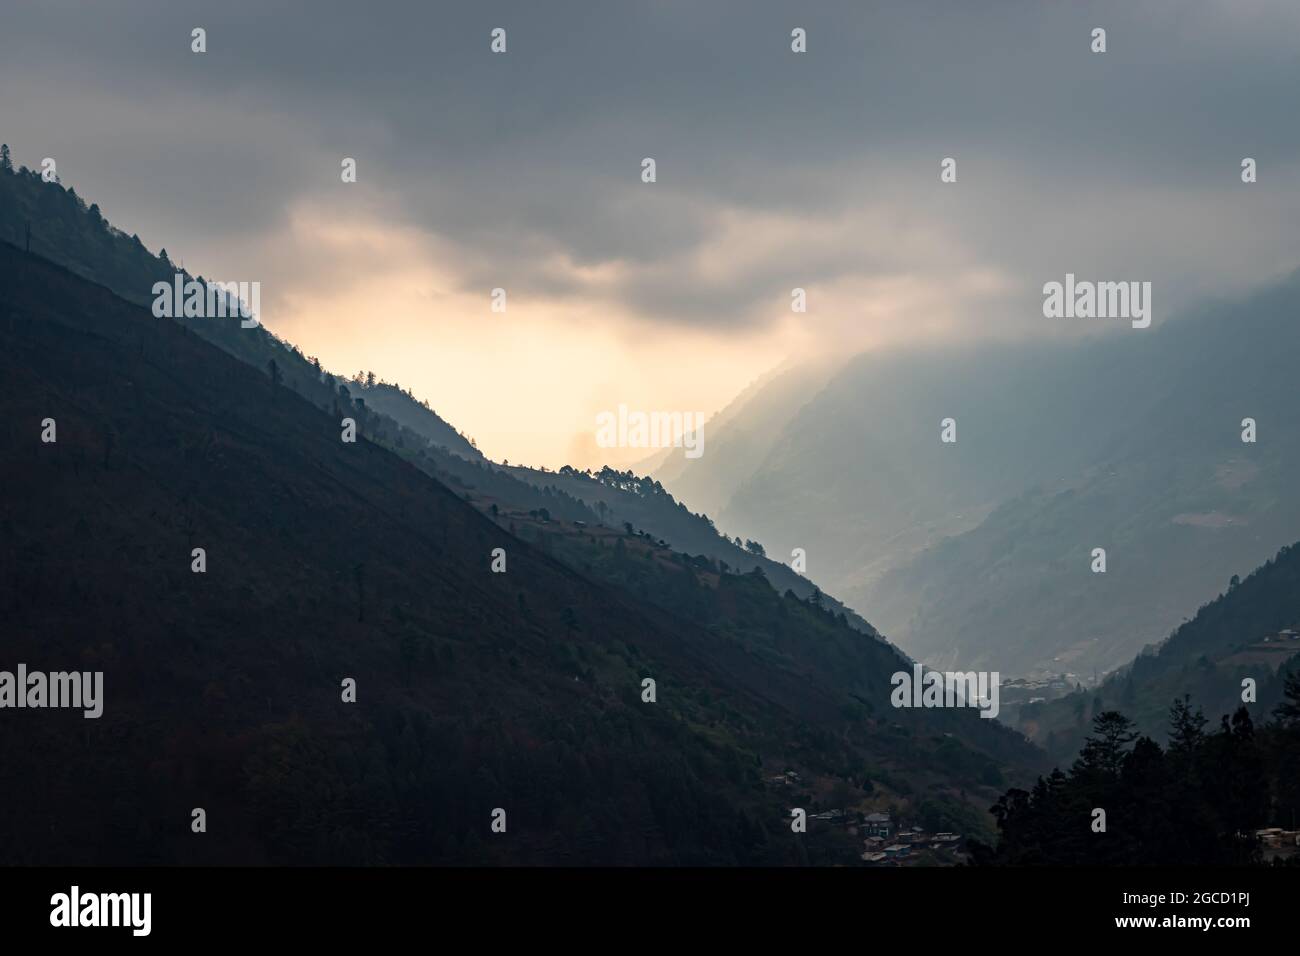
[1288, 712]
[1186, 727]
[1237, 787]
[1103, 752]
[370, 380]
[6, 161]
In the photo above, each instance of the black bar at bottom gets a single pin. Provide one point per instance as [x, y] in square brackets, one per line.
[331, 906]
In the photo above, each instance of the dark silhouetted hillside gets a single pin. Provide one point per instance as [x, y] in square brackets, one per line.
[66, 231]
[326, 561]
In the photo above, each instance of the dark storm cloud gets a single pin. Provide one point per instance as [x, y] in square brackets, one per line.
[528, 163]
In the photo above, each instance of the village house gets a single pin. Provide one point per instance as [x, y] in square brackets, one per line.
[878, 825]
[1277, 844]
[1277, 837]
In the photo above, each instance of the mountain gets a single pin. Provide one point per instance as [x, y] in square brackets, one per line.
[740, 436]
[1192, 750]
[1177, 499]
[65, 230]
[978, 553]
[328, 560]
[1250, 630]
[623, 498]
[403, 408]
[58, 225]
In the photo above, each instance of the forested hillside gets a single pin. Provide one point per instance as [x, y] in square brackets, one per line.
[1249, 632]
[66, 231]
[475, 690]
[1199, 800]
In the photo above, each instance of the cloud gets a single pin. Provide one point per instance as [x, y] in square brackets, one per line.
[775, 170]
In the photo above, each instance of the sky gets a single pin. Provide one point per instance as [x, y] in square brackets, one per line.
[775, 170]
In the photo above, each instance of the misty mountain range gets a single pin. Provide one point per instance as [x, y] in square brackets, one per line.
[977, 554]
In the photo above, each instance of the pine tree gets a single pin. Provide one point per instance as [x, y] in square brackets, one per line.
[1288, 712]
[1186, 727]
[1103, 752]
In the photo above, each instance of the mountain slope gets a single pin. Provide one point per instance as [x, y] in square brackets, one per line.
[327, 560]
[624, 498]
[66, 231]
[1251, 630]
[740, 436]
[977, 553]
[1171, 492]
